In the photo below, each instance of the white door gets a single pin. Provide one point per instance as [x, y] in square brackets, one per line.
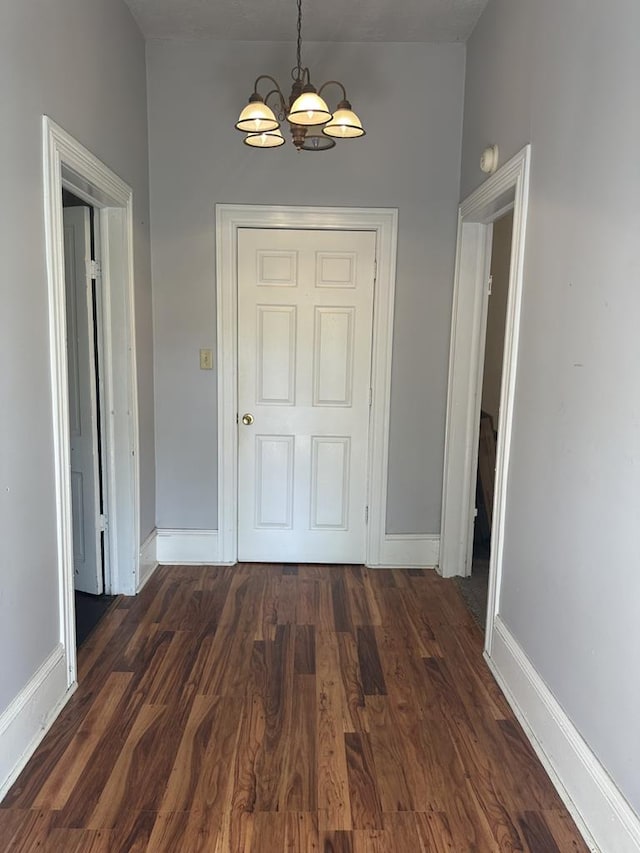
[83, 414]
[305, 317]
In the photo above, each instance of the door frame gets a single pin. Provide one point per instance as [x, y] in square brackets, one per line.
[69, 164]
[507, 188]
[231, 217]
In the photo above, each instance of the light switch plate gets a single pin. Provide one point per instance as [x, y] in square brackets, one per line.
[206, 359]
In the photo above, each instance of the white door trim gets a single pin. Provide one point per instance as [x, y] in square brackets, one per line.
[229, 218]
[67, 163]
[509, 185]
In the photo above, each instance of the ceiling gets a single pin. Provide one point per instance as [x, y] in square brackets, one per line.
[322, 20]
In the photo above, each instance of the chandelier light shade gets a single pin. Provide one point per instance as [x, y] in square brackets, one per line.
[313, 126]
[257, 117]
[309, 109]
[344, 124]
[266, 139]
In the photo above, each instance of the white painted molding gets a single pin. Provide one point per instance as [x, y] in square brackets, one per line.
[68, 163]
[509, 186]
[25, 722]
[408, 551]
[604, 817]
[148, 560]
[384, 222]
[189, 547]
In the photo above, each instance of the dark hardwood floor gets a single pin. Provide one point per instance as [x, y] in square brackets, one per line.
[271, 708]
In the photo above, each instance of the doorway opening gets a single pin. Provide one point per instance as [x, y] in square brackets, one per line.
[69, 166]
[475, 587]
[506, 190]
[85, 352]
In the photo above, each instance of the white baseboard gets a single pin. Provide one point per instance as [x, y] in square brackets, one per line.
[148, 558]
[408, 551]
[27, 719]
[187, 547]
[201, 547]
[606, 820]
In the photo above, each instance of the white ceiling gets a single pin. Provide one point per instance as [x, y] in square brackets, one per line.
[322, 20]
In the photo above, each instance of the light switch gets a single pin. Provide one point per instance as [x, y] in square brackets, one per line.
[206, 359]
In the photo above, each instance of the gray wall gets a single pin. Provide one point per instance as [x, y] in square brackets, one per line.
[410, 99]
[565, 77]
[82, 64]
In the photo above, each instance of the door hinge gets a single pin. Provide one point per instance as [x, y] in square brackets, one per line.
[366, 515]
[375, 270]
[490, 285]
[102, 522]
[370, 397]
[94, 270]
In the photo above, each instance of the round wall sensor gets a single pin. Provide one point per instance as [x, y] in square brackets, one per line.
[489, 159]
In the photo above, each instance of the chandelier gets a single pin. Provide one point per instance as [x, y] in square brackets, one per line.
[312, 124]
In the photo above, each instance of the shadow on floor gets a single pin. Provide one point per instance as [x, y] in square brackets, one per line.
[475, 588]
[89, 611]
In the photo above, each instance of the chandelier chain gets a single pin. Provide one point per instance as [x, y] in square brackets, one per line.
[299, 48]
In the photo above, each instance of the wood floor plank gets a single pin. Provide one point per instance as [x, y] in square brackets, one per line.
[564, 832]
[59, 784]
[333, 780]
[358, 596]
[227, 668]
[373, 603]
[307, 612]
[89, 841]
[434, 833]
[172, 831]
[305, 650]
[300, 779]
[341, 609]
[29, 783]
[95, 647]
[370, 669]
[131, 835]
[366, 809]
[287, 599]
[353, 700]
[32, 831]
[236, 832]
[126, 777]
[536, 833]
[389, 755]
[269, 832]
[276, 686]
[373, 841]
[301, 833]
[190, 759]
[336, 841]
[286, 708]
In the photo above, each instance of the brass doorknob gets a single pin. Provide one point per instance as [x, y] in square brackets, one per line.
[247, 419]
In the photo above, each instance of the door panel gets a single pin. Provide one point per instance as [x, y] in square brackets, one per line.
[333, 356]
[305, 315]
[330, 482]
[276, 354]
[83, 415]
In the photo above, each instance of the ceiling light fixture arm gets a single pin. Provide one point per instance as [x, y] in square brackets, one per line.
[344, 103]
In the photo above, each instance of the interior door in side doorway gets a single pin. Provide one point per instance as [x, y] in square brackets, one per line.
[83, 406]
[305, 319]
